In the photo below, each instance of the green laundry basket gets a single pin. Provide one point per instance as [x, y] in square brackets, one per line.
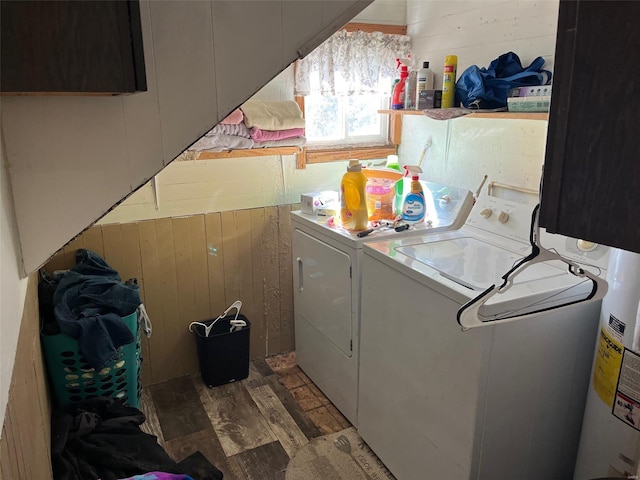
[74, 380]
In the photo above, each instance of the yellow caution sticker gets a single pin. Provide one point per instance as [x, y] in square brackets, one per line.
[607, 367]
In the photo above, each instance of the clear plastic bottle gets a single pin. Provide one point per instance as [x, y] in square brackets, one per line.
[410, 98]
[353, 201]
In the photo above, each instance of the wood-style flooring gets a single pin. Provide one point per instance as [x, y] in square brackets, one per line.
[248, 429]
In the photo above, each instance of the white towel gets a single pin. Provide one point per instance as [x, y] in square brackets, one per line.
[272, 115]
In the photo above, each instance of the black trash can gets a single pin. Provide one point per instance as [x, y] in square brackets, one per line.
[224, 354]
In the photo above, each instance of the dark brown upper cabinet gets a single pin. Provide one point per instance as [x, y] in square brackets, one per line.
[87, 47]
[591, 181]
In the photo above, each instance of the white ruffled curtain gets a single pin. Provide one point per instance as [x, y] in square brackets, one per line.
[351, 64]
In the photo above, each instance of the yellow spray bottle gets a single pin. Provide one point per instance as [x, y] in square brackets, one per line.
[449, 81]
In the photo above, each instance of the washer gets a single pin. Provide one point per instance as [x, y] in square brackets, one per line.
[502, 401]
[326, 276]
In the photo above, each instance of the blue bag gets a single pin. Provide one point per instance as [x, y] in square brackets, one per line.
[488, 88]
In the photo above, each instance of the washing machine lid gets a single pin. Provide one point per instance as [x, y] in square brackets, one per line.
[473, 262]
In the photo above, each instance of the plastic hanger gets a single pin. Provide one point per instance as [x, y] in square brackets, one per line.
[234, 323]
[470, 316]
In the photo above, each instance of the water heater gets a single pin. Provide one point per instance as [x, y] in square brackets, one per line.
[610, 440]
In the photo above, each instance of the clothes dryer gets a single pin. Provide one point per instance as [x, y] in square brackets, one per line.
[326, 276]
[502, 401]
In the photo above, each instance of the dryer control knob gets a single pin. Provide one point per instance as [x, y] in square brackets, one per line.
[503, 217]
[486, 213]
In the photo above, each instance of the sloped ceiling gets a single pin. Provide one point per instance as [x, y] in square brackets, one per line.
[72, 158]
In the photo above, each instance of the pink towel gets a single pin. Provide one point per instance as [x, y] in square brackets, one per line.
[264, 135]
[233, 118]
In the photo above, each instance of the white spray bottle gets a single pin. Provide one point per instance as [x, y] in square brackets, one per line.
[414, 205]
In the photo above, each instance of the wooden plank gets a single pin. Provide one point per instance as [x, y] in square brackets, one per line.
[297, 414]
[215, 263]
[287, 336]
[198, 236]
[151, 424]
[132, 268]
[8, 465]
[16, 451]
[156, 359]
[258, 322]
[178, 407]
[395, 129]
[235, 417]
[184, 346]
[267, 461]
[249, 152]
[207, 443]
[173, 362]
[269, 254]
[373, 27]
[230, 258]
[361, 153]
[255, 378]
[281, 423]
[261, 366]
[245, 263]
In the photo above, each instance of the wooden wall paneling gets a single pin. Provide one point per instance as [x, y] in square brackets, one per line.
[245, 263]
[8, 467]
[258, 324]
[270, 259]
[287, 340]
[215, 263]
[90, 239]
[172, 358]
[185, 283]
[26, 433]
[122, 252]
[230, 258]
[197, 231]
[154, 364]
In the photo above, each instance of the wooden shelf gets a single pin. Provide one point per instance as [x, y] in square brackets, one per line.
[248, 152]
[505, 115]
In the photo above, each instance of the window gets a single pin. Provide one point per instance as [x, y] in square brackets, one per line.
[346, 120]
[342, 84]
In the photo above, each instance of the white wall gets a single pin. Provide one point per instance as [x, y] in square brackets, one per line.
[463, 150]
[12, 288]
[477, 31]
[72, 157]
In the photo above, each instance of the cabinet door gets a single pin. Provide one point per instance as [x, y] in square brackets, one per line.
[591, 185]
[71, 46]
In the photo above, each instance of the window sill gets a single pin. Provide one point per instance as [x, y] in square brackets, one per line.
[324, 155]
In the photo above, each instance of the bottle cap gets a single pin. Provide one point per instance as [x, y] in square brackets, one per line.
[354, 166]
[425, 64]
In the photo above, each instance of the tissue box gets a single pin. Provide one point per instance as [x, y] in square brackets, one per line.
[429, 99]
[312, 202]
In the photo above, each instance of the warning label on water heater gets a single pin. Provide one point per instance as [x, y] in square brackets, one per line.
[627, 400]
[607, 367]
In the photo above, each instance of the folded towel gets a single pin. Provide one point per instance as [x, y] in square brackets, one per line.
[286, 142]
[220, 143]
[272, 115]
[259, 135]
[240, 130]
[233, 118]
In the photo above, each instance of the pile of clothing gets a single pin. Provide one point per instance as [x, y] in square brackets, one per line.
[256, 124]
